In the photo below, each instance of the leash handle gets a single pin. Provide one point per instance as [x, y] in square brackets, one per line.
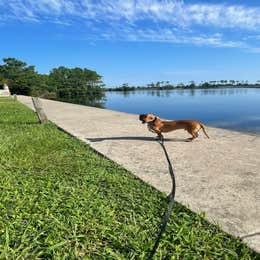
[170, 205]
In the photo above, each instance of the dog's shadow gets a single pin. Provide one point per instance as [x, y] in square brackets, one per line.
[137, 138]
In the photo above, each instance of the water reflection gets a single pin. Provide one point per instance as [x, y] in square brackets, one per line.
[87, 99]
[190, 92]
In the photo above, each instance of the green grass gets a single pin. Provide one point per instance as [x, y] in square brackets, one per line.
[60, 200]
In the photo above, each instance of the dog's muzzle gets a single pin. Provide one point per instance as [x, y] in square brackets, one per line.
[142, 118]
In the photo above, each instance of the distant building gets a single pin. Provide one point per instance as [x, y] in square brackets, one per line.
[4, 90]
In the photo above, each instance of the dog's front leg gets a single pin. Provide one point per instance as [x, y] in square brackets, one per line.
[159, 135]
[155, 130]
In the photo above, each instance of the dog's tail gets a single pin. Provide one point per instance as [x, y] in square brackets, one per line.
[204, 131]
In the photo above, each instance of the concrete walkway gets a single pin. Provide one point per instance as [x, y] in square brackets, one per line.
[220, 175]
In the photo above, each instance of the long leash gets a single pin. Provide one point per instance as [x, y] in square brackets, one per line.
[170, 205]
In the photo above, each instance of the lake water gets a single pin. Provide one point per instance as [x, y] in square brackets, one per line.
[230, 108]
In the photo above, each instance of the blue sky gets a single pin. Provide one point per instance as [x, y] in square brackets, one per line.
[136, 42]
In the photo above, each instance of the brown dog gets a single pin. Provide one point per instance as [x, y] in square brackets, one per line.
[156, 125]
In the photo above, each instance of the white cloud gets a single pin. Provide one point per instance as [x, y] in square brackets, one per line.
[168, 35]
[147, 20]
[173, 12]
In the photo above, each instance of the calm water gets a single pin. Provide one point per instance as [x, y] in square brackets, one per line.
[237, 108]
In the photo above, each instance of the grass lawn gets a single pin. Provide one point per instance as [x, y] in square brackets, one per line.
[60, 200]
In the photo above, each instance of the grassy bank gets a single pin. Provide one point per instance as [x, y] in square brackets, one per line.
[59, 199]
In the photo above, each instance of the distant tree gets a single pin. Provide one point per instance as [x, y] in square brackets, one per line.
[192, 84]
[180, 85]
[42, 87]
[206, 85]
[21, 79]
[125, 87]
[232, 82]
[212, 82]
[3, 80]
[75, 81]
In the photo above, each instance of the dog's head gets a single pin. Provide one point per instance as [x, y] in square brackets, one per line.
[146, 118]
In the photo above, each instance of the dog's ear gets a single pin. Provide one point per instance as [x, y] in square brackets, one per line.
[142, 118]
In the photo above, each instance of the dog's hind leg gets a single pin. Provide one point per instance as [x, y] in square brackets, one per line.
[193, 133]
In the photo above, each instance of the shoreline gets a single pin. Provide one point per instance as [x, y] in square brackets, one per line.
[179, 88]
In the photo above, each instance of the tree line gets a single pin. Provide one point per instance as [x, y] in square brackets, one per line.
[166, 85]
[61, 82]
